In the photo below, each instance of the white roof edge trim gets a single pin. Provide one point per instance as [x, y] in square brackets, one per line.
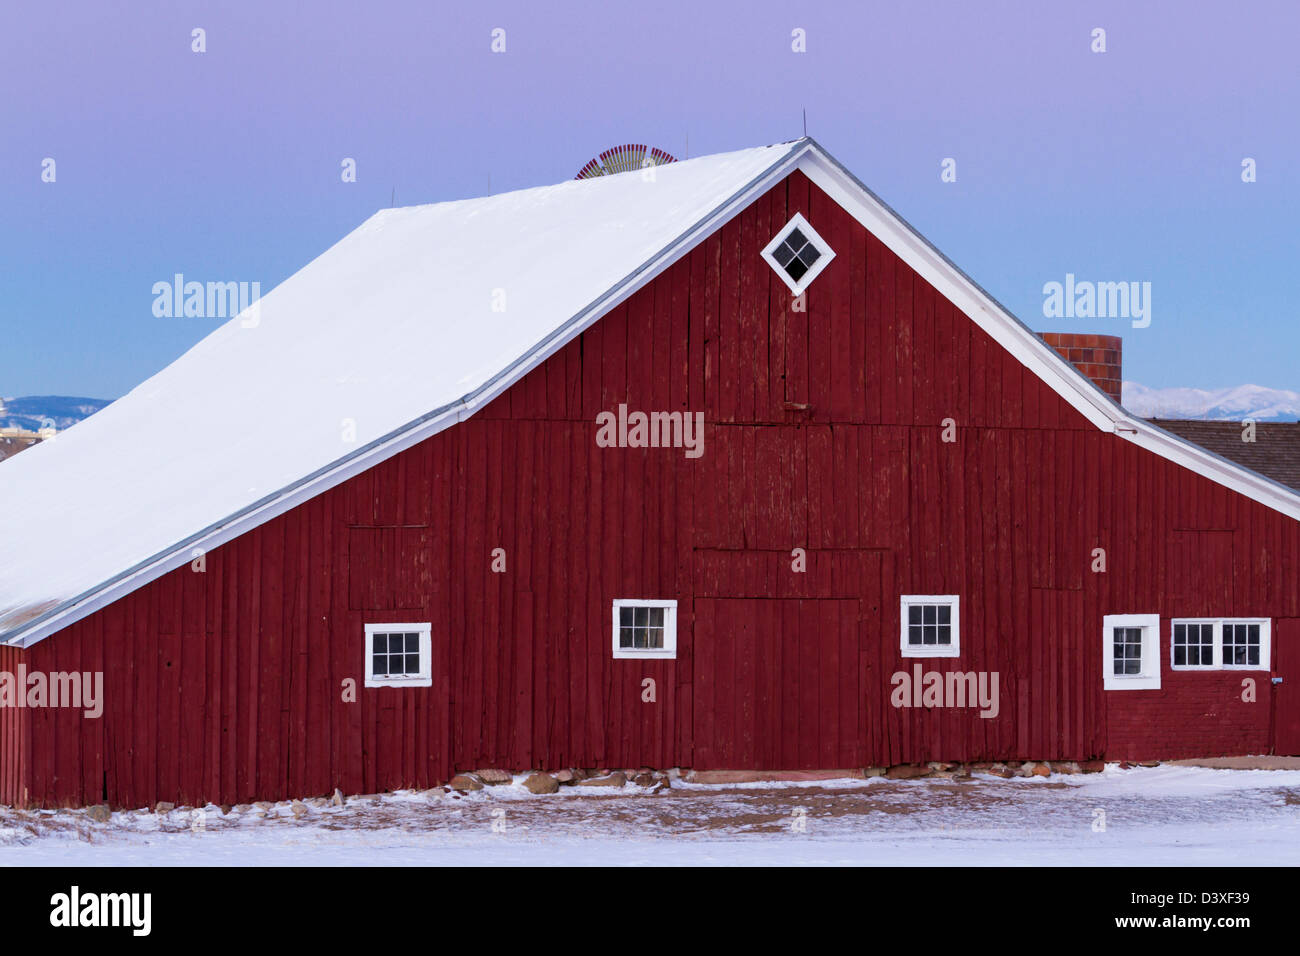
[1218, 469]
[959, 289]
[1025, 345]
[277, 503]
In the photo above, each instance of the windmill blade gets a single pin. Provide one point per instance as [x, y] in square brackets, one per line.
[624, 159]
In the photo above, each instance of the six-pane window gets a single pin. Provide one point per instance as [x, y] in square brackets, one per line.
[1241, 645]
[1194, 645]
[929, 624]
[1127, 655]
[641, 627]
[1130, 651]
[645, 628]
[395, 655]
[399, 655]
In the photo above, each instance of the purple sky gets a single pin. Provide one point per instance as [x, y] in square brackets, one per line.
[1122, 166]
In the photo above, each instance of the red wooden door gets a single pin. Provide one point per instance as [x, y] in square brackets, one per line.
[1286, 698]
[777, 684]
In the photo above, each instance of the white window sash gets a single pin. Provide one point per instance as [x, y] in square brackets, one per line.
[668, 651]
[1218, 654]
[1148, 676]
[422, 679]
[929, 650]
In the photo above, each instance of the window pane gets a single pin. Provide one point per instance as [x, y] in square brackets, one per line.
[412, 663]
[656, 637]
[796, 239]
[1180, 655]
[914, 614]
[656, 617]
[929, 610]
[809, 254]
[931, 634]
[945, 634]
[379, 643]
[625, 636]
[412, 643]
[642, 614]
[914, 634]
[1252, 656]
[639, 637]
[945, 614]
[796, 269]
[380, 665]
[1127, 650]
[783, 253]
[625, 617]
[396, 642]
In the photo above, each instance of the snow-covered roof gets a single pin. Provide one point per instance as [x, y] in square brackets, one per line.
[414, 311]
[408, 325]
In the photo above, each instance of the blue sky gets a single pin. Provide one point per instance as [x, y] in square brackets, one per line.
[225, 165]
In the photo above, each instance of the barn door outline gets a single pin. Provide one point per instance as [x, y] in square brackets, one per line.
[1285, 697]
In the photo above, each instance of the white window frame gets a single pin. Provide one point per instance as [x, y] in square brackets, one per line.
[1220, 664]
[1216, 650]
[424, 678]
[911, 650]
[1148, 678]
[797, 221]
[668, 651]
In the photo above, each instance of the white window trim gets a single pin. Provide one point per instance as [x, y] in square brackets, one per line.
[827, 254]
[668, 651]
[422, 679]
[1216, 651]
[910, 650]
[1265, 643]
[1149, 677]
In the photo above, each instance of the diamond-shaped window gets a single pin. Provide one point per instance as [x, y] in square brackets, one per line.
[798, 254]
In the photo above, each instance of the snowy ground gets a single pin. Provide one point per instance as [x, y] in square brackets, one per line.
[1153, 816]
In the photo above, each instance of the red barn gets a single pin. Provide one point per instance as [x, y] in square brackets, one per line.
[715, 465]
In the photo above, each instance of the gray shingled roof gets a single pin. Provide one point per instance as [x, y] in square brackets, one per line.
[1275, 452]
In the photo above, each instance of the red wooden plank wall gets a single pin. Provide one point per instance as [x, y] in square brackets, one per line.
[824, 433]
[15, 740]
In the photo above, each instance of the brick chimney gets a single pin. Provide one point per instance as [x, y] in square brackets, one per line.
[1100, 357]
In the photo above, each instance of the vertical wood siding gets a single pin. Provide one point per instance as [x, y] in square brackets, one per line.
[823, 432]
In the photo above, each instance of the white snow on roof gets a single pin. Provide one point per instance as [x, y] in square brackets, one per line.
[394, 321]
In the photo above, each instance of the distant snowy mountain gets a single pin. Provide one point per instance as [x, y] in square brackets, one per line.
[34, 412]
[1241, 401]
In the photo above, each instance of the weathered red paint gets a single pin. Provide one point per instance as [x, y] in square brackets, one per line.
[823, 432]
